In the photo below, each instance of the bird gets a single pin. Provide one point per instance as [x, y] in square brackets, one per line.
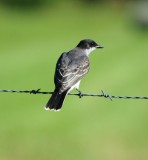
[71, 67]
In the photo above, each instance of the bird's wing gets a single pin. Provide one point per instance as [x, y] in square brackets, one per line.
[70, 71]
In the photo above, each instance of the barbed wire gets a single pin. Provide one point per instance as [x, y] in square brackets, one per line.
[79, 94]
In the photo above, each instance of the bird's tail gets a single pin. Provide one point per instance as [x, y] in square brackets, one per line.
[56, 100]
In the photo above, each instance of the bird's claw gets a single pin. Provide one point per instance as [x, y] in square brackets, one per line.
[106, 95]
[80, 94]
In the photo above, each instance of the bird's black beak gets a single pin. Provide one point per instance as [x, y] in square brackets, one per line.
[99, 46]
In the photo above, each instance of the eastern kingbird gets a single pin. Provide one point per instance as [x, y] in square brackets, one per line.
[70, 69]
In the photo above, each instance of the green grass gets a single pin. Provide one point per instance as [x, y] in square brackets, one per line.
[87, 128]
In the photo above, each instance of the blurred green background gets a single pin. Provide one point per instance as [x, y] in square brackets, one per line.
[33, 34]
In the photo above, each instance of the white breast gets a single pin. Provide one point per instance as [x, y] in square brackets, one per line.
[88, 51]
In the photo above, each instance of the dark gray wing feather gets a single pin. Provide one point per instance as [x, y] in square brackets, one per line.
[69, 70]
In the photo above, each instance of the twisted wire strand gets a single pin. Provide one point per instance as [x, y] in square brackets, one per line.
[79, 94]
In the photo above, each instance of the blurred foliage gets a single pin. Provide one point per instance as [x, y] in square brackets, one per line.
[140, 13]
[26, 3]
[39, 3]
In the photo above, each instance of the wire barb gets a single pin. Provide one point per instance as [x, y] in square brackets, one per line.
[79, 94]
[106, 95]
[35, 91]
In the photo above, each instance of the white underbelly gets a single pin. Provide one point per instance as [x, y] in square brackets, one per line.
[75, 86]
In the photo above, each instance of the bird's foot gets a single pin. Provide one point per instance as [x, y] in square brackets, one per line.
[106, 95]
[80, 94]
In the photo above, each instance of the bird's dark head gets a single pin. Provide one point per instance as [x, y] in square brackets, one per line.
[88, 44]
